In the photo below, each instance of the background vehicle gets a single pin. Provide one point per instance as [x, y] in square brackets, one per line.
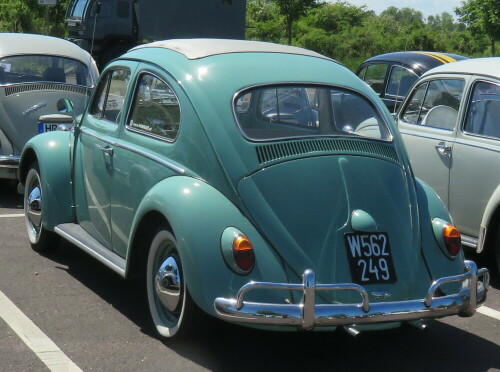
[450, 123]
[122, 24]
[184, 170]
[391, 75]
[35, 73]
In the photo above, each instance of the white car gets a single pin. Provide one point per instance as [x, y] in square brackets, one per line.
[450, 123]
[36, 72]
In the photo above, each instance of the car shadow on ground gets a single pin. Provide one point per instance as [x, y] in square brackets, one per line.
[225, 347]
[9, 197]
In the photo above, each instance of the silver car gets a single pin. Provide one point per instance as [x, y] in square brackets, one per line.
[35, 73]
[450, 123]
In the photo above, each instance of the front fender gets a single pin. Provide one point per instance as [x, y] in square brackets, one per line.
[198, 214]
[52, 151]
[430, 207]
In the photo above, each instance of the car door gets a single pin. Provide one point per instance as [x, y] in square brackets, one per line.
[145, 150]
[94, 152]
[476, 156]
[428, 124]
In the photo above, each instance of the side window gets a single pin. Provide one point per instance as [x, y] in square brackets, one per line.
[484, 110]
[374, 76]
[435, 104]
[411, 113]
[109, 100]
[155, 108]
[400, 81]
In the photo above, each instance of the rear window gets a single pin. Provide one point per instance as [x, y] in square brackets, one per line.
[35, 68]
[280, 112]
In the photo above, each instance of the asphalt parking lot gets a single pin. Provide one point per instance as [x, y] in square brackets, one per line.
[81, 316]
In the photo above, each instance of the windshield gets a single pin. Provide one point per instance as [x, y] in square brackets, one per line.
[78, 8]
[35, 68]
[279, 112]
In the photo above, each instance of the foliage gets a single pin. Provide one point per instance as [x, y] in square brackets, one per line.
[350, 34]
[483, 18]
[29, 17]
[292, 10]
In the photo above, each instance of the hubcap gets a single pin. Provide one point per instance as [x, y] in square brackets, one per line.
[34, 207]
[168, 285]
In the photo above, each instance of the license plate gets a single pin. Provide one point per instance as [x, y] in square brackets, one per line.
[46, 127]
[370, 258]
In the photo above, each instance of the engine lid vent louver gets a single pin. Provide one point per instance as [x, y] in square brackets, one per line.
[276, 151]
[23, 88]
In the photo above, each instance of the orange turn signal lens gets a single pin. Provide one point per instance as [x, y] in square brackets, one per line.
[243, 254]
[452, 239]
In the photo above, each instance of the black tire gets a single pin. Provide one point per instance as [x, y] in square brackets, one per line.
[173, 312]
[40, 238]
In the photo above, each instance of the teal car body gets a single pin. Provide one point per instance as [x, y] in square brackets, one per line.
[262, 184]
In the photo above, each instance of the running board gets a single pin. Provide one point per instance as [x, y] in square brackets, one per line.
[75, 234]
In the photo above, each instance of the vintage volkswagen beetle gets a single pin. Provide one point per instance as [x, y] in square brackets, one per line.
[392, 75]
[451, 119]
[36, 71]
[263, 184]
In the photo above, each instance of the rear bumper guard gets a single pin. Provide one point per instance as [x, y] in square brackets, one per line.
[308, 314]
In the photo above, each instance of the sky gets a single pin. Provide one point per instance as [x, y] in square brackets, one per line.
[427, 7]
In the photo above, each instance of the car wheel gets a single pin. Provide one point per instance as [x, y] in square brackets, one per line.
[40, 238]
[496, 251]
[171, 307]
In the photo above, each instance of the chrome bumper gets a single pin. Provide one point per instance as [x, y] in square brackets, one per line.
[9, 161]
[308, 314]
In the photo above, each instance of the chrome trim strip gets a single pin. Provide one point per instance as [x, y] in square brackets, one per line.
[308, 314]
[75, 234]
[173, 167]
[9, 161]
[469, 241]
[156, 159]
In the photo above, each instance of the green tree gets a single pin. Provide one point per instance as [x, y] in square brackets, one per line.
[264, 21]
[29, 17]
[292, 10]
[482, 17]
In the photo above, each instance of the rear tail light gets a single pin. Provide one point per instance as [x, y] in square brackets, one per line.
[237, 251]
[452, 239]
[243, 253]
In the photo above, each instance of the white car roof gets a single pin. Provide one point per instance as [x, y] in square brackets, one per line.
[16, 44]
[475, 66]
[200, 48]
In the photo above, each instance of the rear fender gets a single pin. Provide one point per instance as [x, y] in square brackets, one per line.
[430, 206]
[491, 207]
[52, 151]
[198, 214]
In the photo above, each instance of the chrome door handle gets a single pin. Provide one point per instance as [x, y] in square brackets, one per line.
[443, 148]
[106, 149]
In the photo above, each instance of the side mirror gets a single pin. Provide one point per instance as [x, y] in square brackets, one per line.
[65, 106]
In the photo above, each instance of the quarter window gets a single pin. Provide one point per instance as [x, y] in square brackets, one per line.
[110, 97]
[435, 104]
[400, 81]
[155, 108]
[374, 76]
[484, 110]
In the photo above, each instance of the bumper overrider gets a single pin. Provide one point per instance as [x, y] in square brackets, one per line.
[308, 314]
